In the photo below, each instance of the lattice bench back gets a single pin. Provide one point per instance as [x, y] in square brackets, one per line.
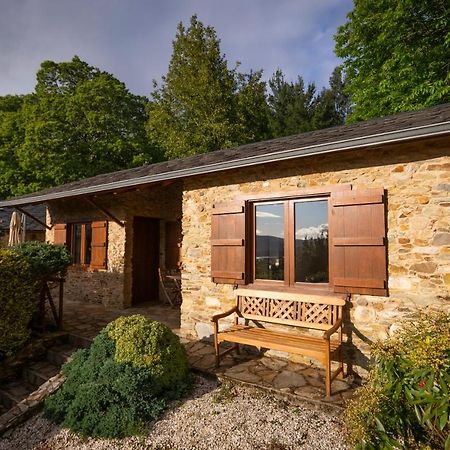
[318, 312]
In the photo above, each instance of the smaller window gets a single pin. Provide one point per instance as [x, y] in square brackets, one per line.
[80, 244]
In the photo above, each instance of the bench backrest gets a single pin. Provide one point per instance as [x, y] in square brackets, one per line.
[308, 311]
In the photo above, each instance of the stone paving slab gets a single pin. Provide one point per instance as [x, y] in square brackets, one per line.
[293, 381]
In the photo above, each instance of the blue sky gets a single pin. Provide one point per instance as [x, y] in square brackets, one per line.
[133, 38]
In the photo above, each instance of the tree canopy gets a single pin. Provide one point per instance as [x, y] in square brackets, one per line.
[396, 55]
[79, 122]
[202, 104]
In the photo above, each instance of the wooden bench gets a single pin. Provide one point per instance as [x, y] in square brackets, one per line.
[282, 308]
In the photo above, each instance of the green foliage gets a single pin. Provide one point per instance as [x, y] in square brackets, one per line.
[17, 302]
[118, 385]
[405, 402]
[296, 108]
[44, 259]
[396, 55]
[150, 344]
[202, 105]
[79, 122]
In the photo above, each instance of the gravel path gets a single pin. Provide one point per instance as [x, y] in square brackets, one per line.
[213, 417]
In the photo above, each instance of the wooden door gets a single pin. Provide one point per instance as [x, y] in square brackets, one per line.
[145, 262]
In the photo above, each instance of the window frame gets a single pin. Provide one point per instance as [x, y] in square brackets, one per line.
[71, 240]
[289, 244]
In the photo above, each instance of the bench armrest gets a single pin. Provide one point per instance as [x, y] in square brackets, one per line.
[333, 329]
[216, 317]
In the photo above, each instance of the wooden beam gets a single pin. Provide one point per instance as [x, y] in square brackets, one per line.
[105, 211]
[33, 217]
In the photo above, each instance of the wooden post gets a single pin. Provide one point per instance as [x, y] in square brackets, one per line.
[60, 303]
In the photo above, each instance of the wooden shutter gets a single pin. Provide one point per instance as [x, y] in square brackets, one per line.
[358, 242]
[60, 233]
[99, 244]
[228, 261]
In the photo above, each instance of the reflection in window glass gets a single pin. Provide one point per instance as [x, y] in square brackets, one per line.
[269, 242]
[311, 242]
[87, 243]
[76, 244]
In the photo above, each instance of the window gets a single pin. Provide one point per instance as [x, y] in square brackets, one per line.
[86, 241]
[329, 237]
[81, 243]
[291, 241]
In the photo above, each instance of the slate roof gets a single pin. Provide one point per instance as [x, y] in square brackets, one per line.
[37, 211]
[408, 125]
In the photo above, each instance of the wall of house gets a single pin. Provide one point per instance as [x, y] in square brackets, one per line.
[113, 287]
[417, 180]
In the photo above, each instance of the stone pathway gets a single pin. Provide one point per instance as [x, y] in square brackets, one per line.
[294, 382]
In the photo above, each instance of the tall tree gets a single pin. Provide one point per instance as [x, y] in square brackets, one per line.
[79, 122]
[396, 55]
[332, 105]
[291, 105]
[201, 104]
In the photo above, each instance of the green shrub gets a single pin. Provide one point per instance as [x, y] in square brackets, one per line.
[119, 384]
[17, 302]
[44, 259]
[405, 402]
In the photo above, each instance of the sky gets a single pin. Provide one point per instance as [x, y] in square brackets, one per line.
[132, 39]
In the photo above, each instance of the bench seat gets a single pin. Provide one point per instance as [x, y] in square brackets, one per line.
[322, 314]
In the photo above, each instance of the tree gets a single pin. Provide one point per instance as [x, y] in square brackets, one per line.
[202, 105]
[79, 122]
[291, 105]
[332, 105]
[396, 55]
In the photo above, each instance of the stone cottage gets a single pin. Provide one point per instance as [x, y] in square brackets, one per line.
[359, 211]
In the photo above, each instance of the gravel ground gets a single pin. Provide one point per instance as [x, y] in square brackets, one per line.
[213, 417]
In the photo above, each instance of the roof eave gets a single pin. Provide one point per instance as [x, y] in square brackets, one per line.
[412, 133]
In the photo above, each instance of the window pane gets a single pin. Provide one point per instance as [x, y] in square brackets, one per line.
[87, 243]
[311, 241]
[270, 242]
[76, 244]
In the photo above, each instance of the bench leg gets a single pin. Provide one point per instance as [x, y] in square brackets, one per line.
[327, 371]
[238, 349]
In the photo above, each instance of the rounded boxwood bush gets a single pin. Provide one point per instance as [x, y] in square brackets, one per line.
[17, 301]
[119, 384]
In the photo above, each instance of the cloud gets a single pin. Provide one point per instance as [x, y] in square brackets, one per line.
[133, 39]
[267, 215]
[312, 232]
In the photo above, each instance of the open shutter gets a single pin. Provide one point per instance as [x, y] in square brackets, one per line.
[99, 244]
[228, 261]
[60, 233]
[358, 240]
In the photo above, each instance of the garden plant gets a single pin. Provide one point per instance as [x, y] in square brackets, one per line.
[123, 381]
[405, 402]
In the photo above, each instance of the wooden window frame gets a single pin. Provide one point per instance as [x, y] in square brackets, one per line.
[71, 241]
[289, 199]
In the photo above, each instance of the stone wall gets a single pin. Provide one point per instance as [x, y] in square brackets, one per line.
[113, 287]
[417, 181]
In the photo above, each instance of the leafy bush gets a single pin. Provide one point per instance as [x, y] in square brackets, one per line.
[44, 259]
[122, 381]
[17, 302]
[405, 402]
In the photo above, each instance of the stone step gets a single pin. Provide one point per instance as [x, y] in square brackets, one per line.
[79, 341]
[14, 392]
[59, 354]
[39, 372]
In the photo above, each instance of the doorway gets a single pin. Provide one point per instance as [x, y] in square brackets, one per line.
[145, 261]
